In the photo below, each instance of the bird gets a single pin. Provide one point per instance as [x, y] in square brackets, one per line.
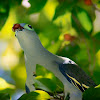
[74, 79]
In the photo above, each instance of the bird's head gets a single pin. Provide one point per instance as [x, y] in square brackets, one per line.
[21, 30]
[25, 35]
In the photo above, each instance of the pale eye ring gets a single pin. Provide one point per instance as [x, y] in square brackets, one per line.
[30, 26]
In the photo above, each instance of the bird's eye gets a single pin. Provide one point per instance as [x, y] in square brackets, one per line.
[30, 26]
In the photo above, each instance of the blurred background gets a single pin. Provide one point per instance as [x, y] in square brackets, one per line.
[69, 28]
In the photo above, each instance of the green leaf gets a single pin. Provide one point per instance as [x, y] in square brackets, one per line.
[4, 96]
[48, 76]
[59, 84]
[36, 5]
[4, 11]
[82, 19]
[64, 5]
[4, 6]
[96, 41]
[54, 47]
[37, 95]
[98, 86]
[29, 96]
[14, 3]
[97, 36]
[41, 71]
[4, 85]
[48, 29]
[45, 84]
[92, 94]
[96, 74]
[69, 50]
[3, 17]
[89, 8]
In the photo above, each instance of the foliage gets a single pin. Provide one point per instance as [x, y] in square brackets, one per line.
[4, 96]
[67, 28]
[37, 95]
[92, 93]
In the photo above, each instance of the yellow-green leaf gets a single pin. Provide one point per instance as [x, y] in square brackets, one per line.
[5, 85]
[37, 95]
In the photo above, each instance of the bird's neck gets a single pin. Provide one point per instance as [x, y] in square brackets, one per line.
[38, 54]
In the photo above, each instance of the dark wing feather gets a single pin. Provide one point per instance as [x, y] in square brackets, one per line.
[27, 89]
[76, 76]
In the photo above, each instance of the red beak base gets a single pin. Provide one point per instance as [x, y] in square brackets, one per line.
[17, 26]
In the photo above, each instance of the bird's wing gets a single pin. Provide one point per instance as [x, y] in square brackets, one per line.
[75, 75]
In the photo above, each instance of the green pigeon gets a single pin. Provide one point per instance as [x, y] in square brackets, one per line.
[74, 79]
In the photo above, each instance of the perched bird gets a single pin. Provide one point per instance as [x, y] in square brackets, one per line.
[74, 79]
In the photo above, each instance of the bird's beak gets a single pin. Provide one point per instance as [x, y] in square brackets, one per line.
[17, 27]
